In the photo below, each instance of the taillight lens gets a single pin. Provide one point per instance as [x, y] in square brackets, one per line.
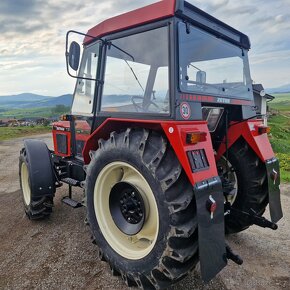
[195, 137]
[264, 129]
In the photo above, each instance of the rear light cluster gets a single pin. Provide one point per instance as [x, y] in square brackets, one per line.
[198, 160]
[263, 129]
[195, 137]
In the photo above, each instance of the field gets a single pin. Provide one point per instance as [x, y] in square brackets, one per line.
[34, 112]
[281, 103]
[280, 132]
[7, 133]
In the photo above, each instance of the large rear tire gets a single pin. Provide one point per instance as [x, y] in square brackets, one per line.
[140, 170]
[35, 206]
[252, 185]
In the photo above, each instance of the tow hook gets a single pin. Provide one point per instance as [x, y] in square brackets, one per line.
[230, 255]
[252, 216]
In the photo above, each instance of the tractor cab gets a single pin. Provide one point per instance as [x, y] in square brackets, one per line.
[182, 64]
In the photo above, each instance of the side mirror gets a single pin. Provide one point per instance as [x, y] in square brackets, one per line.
[74, 55]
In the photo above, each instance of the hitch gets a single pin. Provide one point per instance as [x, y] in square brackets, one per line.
[230, 255]
[252, 216]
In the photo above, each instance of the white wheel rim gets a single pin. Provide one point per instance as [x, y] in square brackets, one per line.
[25, 184]
[131, 247]
[232, 176]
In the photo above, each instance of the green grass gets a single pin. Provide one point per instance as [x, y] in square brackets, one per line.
[34, 112]
[281, 102]
[13, 132]
[280, 132]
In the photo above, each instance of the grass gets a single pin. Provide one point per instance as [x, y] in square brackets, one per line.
[33, 112]
[14, 132]
[281, 102]
[280, 133]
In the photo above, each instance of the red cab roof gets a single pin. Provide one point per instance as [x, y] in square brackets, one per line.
[150, 13]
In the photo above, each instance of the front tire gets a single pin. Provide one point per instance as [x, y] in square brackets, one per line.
[35, 206]
[163, 247]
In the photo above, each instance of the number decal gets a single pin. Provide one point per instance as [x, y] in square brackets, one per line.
[185, 110]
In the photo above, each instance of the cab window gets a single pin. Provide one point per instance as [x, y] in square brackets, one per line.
[85, 87]
[136, 73]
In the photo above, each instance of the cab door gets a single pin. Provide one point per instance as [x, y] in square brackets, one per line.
[84, 99]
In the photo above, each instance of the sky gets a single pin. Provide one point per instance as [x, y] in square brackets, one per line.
[32, 38]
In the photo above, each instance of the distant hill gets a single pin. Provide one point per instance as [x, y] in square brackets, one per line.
[282, 89]
[52, 102]
[27, 100]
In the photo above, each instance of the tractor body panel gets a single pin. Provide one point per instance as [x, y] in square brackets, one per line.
[62, 138]
[249, 130]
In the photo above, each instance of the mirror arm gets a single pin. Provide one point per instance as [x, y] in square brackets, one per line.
[67, 53]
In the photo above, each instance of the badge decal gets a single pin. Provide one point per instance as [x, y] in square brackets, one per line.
[185, 110]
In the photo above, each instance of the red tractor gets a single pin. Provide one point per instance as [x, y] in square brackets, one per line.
[165, 141]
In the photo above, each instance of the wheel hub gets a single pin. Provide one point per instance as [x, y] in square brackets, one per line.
[127, 208]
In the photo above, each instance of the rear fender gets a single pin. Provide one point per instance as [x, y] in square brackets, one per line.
[262, 147]
[206, 182]
[249, 131]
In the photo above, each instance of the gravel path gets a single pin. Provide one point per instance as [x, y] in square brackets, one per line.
[58, 254]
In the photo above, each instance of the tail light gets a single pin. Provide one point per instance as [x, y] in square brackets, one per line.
[195, 137]
[263, 129]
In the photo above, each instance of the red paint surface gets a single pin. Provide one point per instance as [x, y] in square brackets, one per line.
[249, 131]
[147, 14]
[82, 133]
[68, 138]
[63, 128]
[177, 139]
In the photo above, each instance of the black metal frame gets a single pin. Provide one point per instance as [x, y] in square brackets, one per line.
[132, 31]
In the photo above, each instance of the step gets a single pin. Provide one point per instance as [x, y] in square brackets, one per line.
[71, 202]
[70, 181]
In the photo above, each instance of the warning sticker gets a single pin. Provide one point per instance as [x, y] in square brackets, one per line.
[185, 110]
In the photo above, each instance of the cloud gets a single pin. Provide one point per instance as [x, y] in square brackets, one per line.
[32, 34]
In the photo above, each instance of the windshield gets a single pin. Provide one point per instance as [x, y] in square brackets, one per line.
[212, 66]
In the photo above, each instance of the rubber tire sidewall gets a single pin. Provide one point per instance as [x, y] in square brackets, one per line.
[148, 262]
[245, 175]
[22, 159]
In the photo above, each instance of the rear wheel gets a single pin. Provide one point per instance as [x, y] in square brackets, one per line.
[35, 206]
[252, 189]
[141, 209]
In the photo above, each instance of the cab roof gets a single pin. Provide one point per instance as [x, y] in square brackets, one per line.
[151, 13]
[166, 9]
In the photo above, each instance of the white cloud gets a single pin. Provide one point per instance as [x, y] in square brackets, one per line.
[32, 37]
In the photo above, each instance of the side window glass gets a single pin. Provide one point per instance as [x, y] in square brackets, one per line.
[161, 89]
[136, 73]
[85, 88]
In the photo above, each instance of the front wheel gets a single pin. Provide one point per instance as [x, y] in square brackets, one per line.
[141, 209]
[36, 206]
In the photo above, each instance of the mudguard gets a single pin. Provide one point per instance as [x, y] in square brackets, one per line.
[41, 175]
[206, 183]
[211, 229]
[273, 175]
[249, 130]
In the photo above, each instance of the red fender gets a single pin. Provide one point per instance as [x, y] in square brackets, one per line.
[249, 131]
[176, 134]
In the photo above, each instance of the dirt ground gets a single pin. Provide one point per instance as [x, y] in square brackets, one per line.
[58, 254]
